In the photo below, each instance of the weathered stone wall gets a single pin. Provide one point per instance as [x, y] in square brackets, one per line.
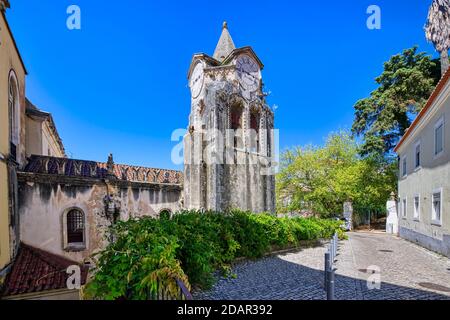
[211, 181]
[45, 198]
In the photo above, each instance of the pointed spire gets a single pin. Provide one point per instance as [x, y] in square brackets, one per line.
[225, 45]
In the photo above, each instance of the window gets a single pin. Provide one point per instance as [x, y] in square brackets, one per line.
[417, 155]
[165, 214]
[404, 167]
[417, 207]
[11, 103]
[439, 137]
[74, 230]
[437, 207]
[75, 227]
[13, 110]
[404, 211]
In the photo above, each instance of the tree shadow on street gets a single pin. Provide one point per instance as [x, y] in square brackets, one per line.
[273, 278]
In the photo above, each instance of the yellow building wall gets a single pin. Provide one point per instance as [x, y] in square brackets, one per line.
[9, 60]
[4, 221]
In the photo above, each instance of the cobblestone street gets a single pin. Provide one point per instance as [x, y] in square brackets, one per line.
[408, 272]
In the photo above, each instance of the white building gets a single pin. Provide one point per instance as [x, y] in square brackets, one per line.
[424, 174]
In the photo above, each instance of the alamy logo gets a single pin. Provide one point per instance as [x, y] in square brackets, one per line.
[374, 280]
[74, 280]
[74, 19]
[374, 20]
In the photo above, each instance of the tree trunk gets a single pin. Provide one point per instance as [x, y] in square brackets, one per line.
[444, 62]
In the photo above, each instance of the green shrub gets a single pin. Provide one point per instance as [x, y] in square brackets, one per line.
[191, 246]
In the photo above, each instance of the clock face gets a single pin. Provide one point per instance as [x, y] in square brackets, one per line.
[248, 72]
[196, 81]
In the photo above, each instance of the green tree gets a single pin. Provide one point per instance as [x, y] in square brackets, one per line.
[406, 83]
[321, 179]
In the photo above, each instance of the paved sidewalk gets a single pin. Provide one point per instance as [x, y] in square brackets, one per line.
[408, 272]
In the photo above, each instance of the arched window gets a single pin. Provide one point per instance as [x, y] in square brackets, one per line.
[165, 214]
[74, 230]
[75, 227]
[13, 110]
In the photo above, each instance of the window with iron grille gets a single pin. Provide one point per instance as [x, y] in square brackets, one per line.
[75, 227]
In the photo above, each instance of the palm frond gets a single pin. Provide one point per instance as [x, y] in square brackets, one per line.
[437, 29]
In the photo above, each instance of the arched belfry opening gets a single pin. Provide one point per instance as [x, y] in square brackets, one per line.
[237, 124]
[255, 120]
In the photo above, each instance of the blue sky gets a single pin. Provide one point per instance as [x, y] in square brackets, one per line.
[119, 84]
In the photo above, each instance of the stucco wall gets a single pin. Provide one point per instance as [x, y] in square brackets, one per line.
[33, 137]
[4, 219]
[49, 142]
[9, 60]
[44, 199]
[433, 174]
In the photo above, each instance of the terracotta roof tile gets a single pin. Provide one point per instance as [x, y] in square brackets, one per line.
[35, 270]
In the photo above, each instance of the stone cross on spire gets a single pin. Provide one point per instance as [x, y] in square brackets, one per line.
[225, 45]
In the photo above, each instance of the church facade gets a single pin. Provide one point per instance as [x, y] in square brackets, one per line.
[53, 206]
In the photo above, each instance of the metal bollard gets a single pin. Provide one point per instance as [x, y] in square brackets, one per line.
[330, 286]
[326, 269]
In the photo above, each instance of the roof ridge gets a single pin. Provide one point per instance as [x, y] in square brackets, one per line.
[143, 167]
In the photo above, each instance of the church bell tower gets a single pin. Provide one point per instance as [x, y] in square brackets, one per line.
[229, 145]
